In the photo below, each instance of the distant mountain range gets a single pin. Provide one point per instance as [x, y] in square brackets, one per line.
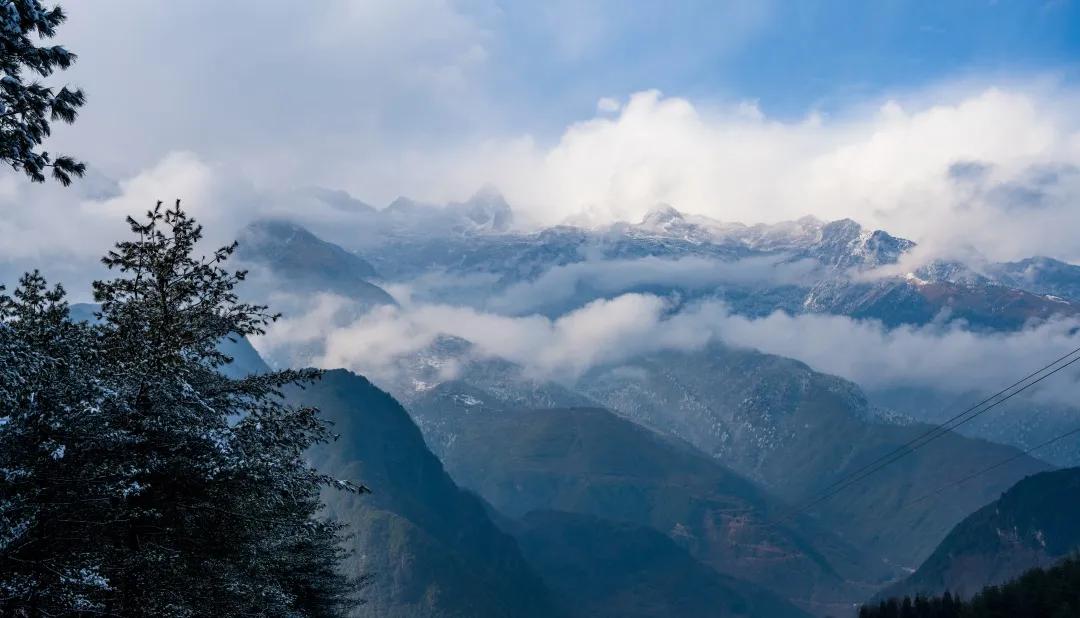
[469, 254]
[475, 241]
[694, 453]
[476, 238]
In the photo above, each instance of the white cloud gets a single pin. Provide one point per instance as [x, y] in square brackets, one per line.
[290, 94]
[948, 358]
[84, 220]
[559, 348]
[888, 167]
[562, 285]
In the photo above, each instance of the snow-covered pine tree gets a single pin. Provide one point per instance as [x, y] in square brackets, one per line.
[221, 516]
[27, 107]
[55, 489]
[137, 479]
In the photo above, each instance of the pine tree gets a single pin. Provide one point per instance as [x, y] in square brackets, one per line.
[1038, 593]
[137, 479]
[28, 107]
[54, 489]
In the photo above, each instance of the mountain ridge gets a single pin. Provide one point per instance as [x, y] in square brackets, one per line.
[1035, 523]
[429, 546]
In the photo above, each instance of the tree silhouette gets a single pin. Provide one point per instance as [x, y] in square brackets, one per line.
[27, 107]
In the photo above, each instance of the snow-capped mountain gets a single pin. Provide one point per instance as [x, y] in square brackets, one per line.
[468, 253]
[838, 244]
[774, 421]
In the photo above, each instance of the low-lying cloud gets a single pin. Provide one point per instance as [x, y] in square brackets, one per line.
[561, 285]
[602, 331]
[565, 287]
[946, 358]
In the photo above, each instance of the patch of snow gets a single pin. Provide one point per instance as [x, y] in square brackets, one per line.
[467, 400]
[913, 278]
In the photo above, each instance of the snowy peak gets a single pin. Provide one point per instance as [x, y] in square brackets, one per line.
[404, 205]
[845, 244]
[840, 244]
[661, 216]
[487, 210]
[1040, 275]
[667, 222]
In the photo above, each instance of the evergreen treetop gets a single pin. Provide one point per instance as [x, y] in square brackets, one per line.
[28, 107]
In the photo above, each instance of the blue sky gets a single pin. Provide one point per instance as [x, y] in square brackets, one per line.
[791, 57]
[819, 53]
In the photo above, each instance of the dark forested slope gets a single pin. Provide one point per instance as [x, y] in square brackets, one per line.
[430, 548]
[1033, 524]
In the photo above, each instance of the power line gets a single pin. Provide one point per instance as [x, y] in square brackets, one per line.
[995, 466]
[928, 437]
[905, 452]
[945, 425]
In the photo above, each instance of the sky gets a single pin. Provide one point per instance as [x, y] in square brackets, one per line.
[946, 122]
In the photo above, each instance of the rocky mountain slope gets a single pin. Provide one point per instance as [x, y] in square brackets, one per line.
[589, 461]
[797, 431]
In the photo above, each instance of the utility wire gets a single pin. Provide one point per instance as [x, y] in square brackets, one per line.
[945, 426]
[932, 435]
[995, 466]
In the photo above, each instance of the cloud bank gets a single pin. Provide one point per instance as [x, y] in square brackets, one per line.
[994, 168]
[564, 287]
[997, 170]
[948, 359]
